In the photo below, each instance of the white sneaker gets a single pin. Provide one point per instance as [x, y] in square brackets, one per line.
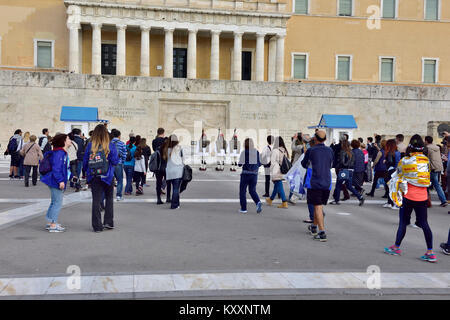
[413, 225]
[242, 211]
[119, 198]
[386, 205]
[394, 207]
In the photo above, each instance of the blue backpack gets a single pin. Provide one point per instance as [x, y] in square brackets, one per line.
[12, 145]
[45, 165]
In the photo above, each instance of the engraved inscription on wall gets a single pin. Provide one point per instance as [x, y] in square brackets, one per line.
[125, 112]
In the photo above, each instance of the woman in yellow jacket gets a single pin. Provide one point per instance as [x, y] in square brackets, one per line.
[412, 180]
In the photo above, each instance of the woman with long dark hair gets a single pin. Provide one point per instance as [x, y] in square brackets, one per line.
[99, 160]
[250, 162]
[276, 160]
[57, 179]
[146, 152]
[173, 154]
[392, 157]
[346, 164]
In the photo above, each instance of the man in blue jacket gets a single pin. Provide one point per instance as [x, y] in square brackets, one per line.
[321, 159]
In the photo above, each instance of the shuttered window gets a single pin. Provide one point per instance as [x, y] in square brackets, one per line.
[387, 69]
[44, 54]
[429, 71]
[343, 68]
[301, 6]
[345, 7]
[432, 10]
[300, 66]
[389, 8]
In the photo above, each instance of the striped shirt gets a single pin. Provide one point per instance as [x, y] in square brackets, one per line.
[121, 149]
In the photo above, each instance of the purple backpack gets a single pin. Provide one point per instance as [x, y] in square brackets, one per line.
[45, 165]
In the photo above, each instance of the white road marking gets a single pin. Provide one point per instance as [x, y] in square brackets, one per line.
[343, 213]
[217, 283]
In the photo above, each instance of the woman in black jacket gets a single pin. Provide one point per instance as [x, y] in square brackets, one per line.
[345, 165]
[146, 152]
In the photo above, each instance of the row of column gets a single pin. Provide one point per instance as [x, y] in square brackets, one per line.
[276, 53]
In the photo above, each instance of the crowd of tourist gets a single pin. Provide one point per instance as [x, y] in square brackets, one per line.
[102, 160]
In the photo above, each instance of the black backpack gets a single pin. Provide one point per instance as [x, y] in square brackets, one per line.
[47, 147]
[129, 156]
[285, 165]
[98, 164]
[155, 162]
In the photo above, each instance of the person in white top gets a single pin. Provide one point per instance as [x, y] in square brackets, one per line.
[173, 154]
[266, 154]
[139, 171]
[234, 149]
[220, 150]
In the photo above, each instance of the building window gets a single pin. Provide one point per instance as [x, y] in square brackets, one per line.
[299, 66]
[44, 53]
[432, 9]
[301, 6]
[430, 70]
[345, 7]
[389, 8]
[344, 68]
[387, 69]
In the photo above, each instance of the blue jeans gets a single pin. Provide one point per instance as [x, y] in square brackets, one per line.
[118, 174]
[129, 174]
[348, 184]
[434, 176]
[175, 183]
[278, 189]
[55, 205]
[21, 168]
[249, 180]
[79, 167]
[311, 211]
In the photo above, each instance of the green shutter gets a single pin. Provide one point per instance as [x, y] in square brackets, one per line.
[387, 68]
[44, 54]
[301, 6]
[389, 8]
[343, 68]
[300, 67]
[345, 7]
[432, 9]
[429, 71]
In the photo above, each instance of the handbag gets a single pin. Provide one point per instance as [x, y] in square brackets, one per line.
[187, 173]
[344, 174]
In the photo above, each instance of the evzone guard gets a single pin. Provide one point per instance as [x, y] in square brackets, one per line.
[234, 150]
[220, 150]
[204, 149]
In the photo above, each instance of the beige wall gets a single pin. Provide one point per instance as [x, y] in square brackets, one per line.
[321, 34]
[21, 21]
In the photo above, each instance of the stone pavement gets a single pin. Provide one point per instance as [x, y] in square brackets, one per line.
[206, 248]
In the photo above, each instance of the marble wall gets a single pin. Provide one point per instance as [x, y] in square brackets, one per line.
[33, 100]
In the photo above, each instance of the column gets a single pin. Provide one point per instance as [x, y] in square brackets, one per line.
[279, 76]
[192, 54]
[260, 56]
[96, 48]
[237, 56]
[121, 45]
[215, 60]
[145, 51]
[74, 65]
[272, 58]
[168, 53]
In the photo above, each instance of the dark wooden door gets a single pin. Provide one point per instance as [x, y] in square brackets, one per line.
[179, 63]
[246, 65]
[109, 58]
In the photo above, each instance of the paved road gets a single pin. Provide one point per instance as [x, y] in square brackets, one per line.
[207, 234]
